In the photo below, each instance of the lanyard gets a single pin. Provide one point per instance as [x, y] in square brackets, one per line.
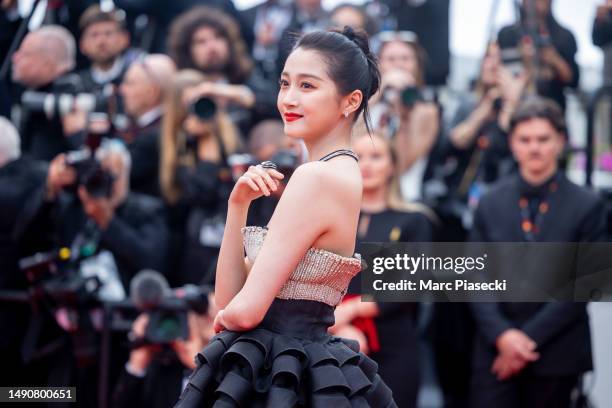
[530, 227]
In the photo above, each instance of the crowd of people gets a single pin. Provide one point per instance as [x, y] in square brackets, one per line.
[124, 129]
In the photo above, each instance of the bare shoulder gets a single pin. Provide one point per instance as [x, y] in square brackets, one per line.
[339, 178]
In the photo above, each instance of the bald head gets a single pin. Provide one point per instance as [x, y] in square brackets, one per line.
[59, 44]
[146, 82]
[266, 139]
[44, 55]
[161, 67]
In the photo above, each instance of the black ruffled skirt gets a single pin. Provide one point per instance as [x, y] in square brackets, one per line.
[289, 360]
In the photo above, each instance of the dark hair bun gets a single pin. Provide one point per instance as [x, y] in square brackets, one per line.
[360, 38]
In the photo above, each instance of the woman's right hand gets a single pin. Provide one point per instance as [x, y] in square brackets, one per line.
[254, 183]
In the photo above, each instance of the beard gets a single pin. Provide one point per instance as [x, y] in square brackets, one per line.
[214, 68]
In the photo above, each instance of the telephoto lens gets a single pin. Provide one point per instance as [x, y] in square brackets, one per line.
[204, 108]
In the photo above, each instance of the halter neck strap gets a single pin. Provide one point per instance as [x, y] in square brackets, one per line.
[340, 152]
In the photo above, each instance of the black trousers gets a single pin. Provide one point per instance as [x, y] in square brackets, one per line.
[526, 390]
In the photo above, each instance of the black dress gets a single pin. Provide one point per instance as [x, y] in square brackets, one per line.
[396, 331]
[289, 359]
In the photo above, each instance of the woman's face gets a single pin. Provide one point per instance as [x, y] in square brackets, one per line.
[397, 55]
[490, 66]
[374, 161]
[308, 100]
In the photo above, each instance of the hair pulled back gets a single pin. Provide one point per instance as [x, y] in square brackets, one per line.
[350, 63]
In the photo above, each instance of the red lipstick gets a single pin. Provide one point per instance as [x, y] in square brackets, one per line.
[290, 117]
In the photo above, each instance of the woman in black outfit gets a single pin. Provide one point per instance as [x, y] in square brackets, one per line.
[195, 179]
[387, 331]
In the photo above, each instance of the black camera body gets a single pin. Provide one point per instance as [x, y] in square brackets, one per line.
[168, 320]
[409, 95]
[55, 276]
[286, 161]
[90, 174]
[167, 308]
[69, 95]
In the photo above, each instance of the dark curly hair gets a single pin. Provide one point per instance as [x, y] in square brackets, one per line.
[184, 27]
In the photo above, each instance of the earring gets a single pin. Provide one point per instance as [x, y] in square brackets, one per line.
[346, 114]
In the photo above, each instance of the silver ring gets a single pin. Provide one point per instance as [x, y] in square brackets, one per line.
[268, 165]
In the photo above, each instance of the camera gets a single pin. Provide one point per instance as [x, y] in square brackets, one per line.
[90, 174]
[98, 181]
[408, 96]
[204, 108]
[287, 161]
[58, 104]
[167, 308]
[55, 276]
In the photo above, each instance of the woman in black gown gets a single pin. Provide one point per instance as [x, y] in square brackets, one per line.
[386, 330]
[273, 348]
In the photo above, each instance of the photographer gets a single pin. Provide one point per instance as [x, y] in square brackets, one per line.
[602, 36]
[197, 138]
[126, 228]
[547, 50]
[103, 41]
[154, 374]
[143, 89]
[209, 40]
[478, 137]
[19, 178]
[405, 110]
[44, 56]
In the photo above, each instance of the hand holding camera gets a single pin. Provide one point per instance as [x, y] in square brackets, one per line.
[59, 176]
[141, 357]
[221, 94]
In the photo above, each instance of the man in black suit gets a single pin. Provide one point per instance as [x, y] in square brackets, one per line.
[533, 354]
[127, 228]
[103, 41]
[40, 64]
[20, 177]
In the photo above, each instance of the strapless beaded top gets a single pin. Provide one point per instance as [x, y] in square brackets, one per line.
[321, 275]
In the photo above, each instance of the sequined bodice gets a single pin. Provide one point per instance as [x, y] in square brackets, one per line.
[321, 275]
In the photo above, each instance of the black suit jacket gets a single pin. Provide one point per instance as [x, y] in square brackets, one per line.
[136, 236]
[561, 329]
[161, 386]
[19, 179]
[144, 147]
